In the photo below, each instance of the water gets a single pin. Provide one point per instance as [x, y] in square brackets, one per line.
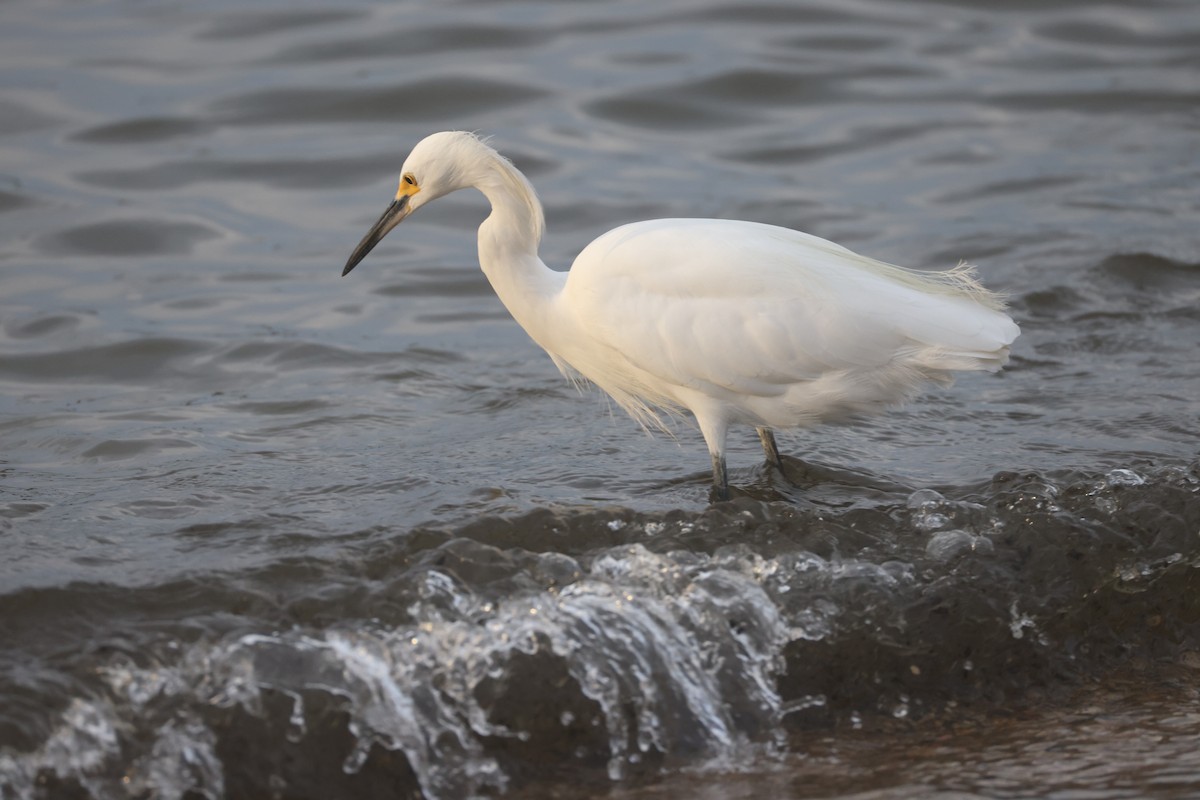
[271, 533]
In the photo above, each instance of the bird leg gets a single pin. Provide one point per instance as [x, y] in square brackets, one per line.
[767, 436]
[720, 476]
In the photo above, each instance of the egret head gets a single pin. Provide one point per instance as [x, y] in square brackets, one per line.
[439, 164]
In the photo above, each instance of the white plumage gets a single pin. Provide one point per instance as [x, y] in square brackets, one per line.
[735, 322]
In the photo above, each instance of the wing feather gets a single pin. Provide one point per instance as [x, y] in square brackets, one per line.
[740, 309]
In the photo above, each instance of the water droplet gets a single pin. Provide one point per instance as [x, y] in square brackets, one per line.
[945, 545]
[930, 521]
[1019, 622]
[1123, 477]
[923, 498]
[803, 702]
[296, 723]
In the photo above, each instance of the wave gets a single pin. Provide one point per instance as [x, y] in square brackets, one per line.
[462, 661]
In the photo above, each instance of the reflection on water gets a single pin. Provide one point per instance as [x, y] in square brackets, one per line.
[270, 533]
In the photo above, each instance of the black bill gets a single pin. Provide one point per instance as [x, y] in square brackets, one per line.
[392, 217]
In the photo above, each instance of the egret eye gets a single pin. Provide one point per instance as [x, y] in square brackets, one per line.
[408, 180]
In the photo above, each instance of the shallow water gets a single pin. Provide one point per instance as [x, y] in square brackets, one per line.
[269, 532]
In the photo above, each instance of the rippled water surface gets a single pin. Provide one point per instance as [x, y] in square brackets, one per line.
[267, 532]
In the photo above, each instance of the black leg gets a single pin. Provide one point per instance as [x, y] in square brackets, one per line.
[720, 476]
[767, 436]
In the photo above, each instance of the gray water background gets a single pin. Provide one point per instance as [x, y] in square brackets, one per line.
[207, 435]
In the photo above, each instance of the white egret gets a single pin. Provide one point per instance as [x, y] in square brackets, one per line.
[735, 322]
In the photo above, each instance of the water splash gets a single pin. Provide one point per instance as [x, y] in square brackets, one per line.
[678, 654]
[449, 666]
[675, 654]
[86, 750]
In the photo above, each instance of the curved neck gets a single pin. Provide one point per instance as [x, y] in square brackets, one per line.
[508, 245]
